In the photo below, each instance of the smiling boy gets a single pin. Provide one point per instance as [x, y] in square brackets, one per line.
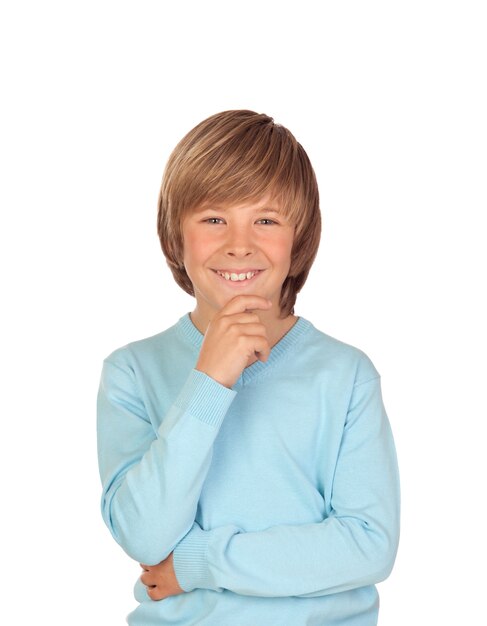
[246, 458]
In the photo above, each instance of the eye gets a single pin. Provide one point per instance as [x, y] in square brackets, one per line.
[266, 221]
[213, 220]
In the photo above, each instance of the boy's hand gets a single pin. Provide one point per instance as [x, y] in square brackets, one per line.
[160, 580]
[234, 337]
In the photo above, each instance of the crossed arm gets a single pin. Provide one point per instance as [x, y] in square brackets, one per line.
[354, 546]
[150, 500]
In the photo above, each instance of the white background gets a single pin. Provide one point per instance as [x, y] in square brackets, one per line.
[389, 100]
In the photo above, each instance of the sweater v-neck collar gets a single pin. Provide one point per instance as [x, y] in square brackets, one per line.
[258, 369]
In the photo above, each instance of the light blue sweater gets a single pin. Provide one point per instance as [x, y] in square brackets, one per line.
[279, 497]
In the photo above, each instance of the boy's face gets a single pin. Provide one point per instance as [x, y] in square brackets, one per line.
[239, 249]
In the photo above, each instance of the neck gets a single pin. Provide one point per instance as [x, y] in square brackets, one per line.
[275, 325]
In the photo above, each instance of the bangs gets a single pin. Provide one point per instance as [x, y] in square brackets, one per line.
[239, 164]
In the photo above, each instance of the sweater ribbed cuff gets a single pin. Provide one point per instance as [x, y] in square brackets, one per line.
[205, 399]
[190, 563]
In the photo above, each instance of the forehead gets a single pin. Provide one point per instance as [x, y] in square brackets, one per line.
[265, 205]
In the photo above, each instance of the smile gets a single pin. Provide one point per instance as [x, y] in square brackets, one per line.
[234, 277]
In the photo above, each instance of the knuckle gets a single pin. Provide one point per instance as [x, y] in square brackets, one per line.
[224, 321]
[234, 330]
[241, 341]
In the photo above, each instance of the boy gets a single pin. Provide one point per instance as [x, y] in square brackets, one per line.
[246, 458]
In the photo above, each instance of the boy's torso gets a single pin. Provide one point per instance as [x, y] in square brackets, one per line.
[273, 460]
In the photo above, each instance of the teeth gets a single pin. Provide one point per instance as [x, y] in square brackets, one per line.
[237, 277]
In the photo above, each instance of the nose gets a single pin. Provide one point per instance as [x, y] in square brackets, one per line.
[239, 242]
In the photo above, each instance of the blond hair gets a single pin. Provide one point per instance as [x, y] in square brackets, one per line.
[230, 158]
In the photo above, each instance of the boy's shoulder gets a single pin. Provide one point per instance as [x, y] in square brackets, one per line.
[147, 347]
[328, 351]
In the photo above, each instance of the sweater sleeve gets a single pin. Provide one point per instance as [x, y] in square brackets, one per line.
[152, 479]
[353, 547]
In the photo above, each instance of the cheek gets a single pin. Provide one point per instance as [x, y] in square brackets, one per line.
[193, 248]
[281, 251]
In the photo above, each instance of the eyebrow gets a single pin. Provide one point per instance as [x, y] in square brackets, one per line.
[222, 209]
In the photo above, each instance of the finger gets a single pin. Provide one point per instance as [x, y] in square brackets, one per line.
[262, 349]
[155, 593]
[255, 344]
[241, 318]
[262, 356]
[249, 330]
[147, 579]
[243, 303]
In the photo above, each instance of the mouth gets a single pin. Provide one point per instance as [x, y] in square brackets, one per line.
[237, 277]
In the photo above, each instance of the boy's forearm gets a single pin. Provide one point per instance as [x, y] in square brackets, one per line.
[152, 485]
[309, 560]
